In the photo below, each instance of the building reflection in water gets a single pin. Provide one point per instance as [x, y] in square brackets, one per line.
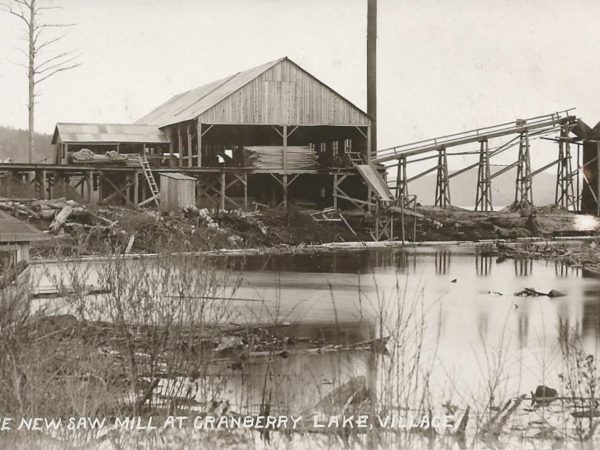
[563, 270]
[590, 320]
[442, 262]
[523, 325]
[483, 264]
[405, 261]
[523, 267]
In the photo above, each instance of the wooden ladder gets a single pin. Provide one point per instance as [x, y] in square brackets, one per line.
[150, 179]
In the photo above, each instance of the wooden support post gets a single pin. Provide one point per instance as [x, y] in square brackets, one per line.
[523, 191]
[564, 194]
[285, 186]
[483, 197]
[401, 181]
[369, 144]
[180, 145]
[170, 146]
[190, 153]
[90, 186]
[199, 143]
[597, 179]
[335, 185]
[136, 188]
[285, 193]
[245, 191]
[66, 154]
[223, 180]
[43, 184]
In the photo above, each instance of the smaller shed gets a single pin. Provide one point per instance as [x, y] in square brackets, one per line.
[176, 191]
[16, 237]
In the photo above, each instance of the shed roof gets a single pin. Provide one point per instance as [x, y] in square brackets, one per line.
[176, 176]
[109, 132]
[193, 103]
[13, 230]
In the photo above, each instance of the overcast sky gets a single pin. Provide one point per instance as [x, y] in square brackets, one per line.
[443, 66]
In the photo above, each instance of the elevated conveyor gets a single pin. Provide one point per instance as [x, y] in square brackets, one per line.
[546, 122]
[375, 182]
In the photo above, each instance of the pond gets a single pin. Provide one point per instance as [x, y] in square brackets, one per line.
[451, 310]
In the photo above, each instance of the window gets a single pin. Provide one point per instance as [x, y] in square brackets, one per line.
[347, 145]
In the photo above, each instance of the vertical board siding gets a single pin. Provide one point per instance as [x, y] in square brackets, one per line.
[285, 94]
[175, 193]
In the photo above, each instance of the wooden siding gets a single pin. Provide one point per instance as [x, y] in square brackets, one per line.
[176, 193]
[285, 94]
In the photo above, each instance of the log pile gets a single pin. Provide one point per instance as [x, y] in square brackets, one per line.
[271, 157]
[62, 213]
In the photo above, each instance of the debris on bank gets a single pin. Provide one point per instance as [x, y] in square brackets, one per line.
[80, 230]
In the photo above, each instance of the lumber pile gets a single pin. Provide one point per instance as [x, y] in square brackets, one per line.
[271, 157]
[86, 156]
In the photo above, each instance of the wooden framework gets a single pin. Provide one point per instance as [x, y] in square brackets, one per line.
[483, 198]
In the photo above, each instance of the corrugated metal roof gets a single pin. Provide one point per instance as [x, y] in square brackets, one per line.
[191, 104]
[109, 132]
[176, 176]
[14, 230]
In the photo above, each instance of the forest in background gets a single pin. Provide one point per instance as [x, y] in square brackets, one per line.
[13, 144]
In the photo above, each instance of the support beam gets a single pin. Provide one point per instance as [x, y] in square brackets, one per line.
[402, 182]
[199, 144]
[483, 198]
[180, 145]
[223, 188]
[564, 194]
[89, 186]
[170, 146]
[523, 191]
[285, 184]
[190, 153]
[136, 188]
[442, 186]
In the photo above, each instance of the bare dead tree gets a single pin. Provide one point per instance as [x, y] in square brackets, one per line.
[43, 61]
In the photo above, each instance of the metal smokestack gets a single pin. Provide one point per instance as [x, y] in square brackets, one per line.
[372, 70]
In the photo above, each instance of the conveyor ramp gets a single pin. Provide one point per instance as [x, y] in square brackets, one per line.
[375, 181]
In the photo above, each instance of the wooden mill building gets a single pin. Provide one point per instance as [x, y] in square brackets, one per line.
[274, 133]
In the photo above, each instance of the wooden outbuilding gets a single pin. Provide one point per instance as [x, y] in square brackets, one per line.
[16, 237]
[176, 191]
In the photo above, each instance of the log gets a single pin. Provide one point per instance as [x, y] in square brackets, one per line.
[61, 218]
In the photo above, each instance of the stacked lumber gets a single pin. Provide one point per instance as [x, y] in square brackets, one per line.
[271, 157]
[86, 156]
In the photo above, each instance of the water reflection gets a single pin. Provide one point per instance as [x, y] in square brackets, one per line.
[563, 270]
[483, 264]
[477, 313]
[442, 262]
[523, 267]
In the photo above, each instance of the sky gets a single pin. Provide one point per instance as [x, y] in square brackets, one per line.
[443, 67]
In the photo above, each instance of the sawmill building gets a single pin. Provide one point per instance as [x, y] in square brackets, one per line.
[274, 133]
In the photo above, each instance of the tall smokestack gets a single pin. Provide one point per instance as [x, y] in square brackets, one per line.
[372, 70]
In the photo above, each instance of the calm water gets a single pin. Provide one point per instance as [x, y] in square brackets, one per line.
[473, 322]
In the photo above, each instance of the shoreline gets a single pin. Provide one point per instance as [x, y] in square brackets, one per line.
[332, 246]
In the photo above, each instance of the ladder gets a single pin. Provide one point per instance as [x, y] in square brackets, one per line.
[150, 179]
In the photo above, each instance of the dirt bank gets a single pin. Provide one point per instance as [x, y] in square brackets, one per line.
[79, 230]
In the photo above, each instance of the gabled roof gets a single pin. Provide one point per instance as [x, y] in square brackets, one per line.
[191, 104]
[13, 230]
[109, 132]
